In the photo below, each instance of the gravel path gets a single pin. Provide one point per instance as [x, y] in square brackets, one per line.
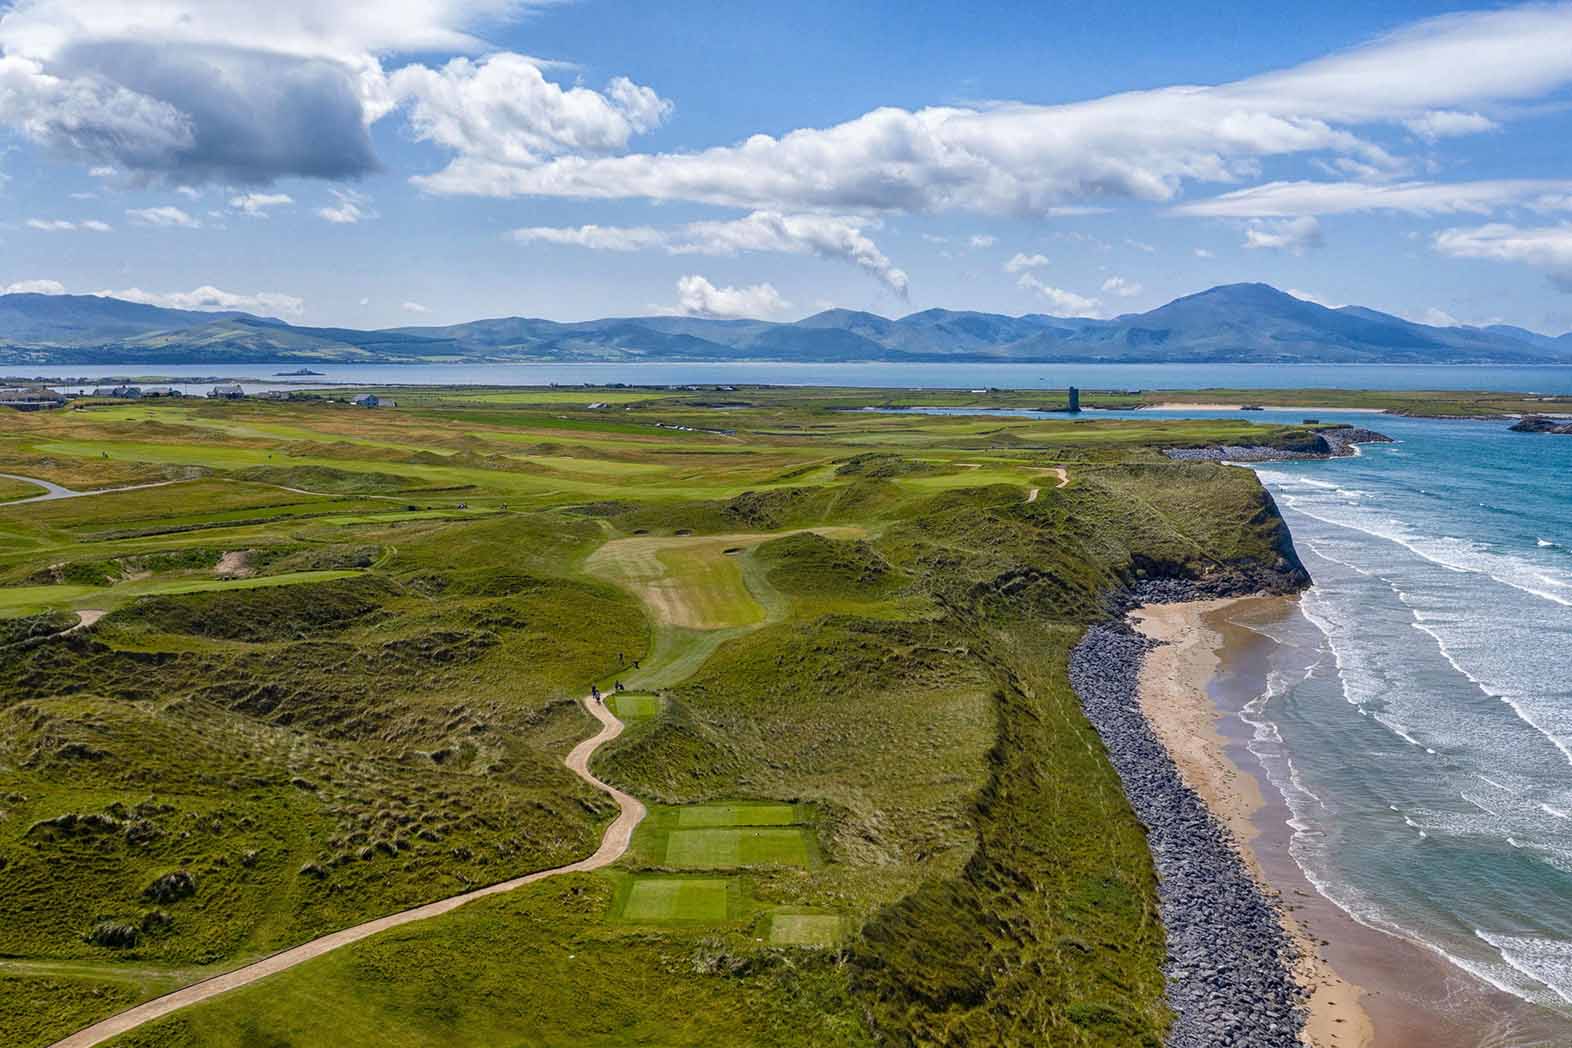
[612, 846]
[53, 491]
[1230, 964]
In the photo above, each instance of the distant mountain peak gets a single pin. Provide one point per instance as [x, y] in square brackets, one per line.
[1249, 322]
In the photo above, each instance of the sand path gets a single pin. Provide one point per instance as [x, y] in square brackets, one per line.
[53, 491]
[612, 846]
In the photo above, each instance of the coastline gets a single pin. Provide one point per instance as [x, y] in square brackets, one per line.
[1173, 692]
[1367, 988]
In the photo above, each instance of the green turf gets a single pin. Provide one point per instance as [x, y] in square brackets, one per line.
[629, 706]
[676, 899]
[806, 929]
[748, 846]
[851, 723]
[728, 815]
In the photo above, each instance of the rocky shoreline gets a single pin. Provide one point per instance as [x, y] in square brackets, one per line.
[1334, 442]
[1230, 965]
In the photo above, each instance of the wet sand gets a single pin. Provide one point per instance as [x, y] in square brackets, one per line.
[1368, 989]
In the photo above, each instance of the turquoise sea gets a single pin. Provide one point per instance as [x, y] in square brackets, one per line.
[1417, 718]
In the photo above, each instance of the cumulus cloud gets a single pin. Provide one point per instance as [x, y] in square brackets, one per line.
[1023, 159]
[227, 90]
[1308, 296]
[415, 307]
[1202, 252]
[1437, 317]
[348, 208]
[1121, 287]
[256, 204]
[983, 240]
[1294, 235]
[1060, 301]
[61, 225]
[166, 215]
[209, 298]
[697, 297]
[501, 110]
[34, 287]
[1291, 199]
[1544, 247]
[1020, 262]
[835, 237]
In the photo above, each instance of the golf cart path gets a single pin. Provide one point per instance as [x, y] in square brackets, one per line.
[612, 846]
[53, 491]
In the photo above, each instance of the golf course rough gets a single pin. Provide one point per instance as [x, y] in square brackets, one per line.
[876, 813]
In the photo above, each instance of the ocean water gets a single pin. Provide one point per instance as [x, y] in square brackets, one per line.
[1418, 719]
[1545, 380]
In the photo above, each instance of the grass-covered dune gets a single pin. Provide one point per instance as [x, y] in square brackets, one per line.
[329, 672]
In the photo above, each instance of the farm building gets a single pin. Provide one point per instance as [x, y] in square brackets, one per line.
[227, 391]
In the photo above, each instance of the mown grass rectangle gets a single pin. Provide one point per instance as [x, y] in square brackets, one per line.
[660, 899]
[806, 929]
[750, 846]
[702, 816]
[635, 707]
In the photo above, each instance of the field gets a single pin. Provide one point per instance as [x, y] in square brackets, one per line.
[331, 671]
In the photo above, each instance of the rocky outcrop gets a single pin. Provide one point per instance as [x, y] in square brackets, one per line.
[1230, 964]
[1331, 442]
[1542, 424]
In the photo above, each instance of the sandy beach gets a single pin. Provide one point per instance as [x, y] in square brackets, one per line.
[1174, 697]
[1183, 406]
[1367, 987]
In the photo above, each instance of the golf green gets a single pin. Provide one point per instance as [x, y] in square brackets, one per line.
[703, 816]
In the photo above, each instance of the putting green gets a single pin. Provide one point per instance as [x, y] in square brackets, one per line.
[806, 929]
[676, 899]
[749, 846]
[635, 707]
[703, 816]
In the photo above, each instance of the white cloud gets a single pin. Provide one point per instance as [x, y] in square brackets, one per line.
[1438, 318]
[502, 110]
[209, 298]
[415, 307]
[933, 239]
[1021, 159]
[1202, 252]
[1448, 123]
[34, 287]
[61, 225]
[1293, 235]
[257, 204]
[1060, 301]
[1020, 262]
[1545, 247]
[827, 236]
[1292, 199]
[981, 240]
[350, 207]
[227, 91]
[1141, 245]
[1121, 287]
[167, 215]
[696, 296]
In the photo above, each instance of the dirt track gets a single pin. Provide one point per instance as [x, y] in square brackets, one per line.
[612, 846]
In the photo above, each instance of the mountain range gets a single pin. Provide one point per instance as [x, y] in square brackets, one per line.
[1233, 323]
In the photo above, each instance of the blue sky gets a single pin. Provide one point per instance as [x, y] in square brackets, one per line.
[432, 161]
